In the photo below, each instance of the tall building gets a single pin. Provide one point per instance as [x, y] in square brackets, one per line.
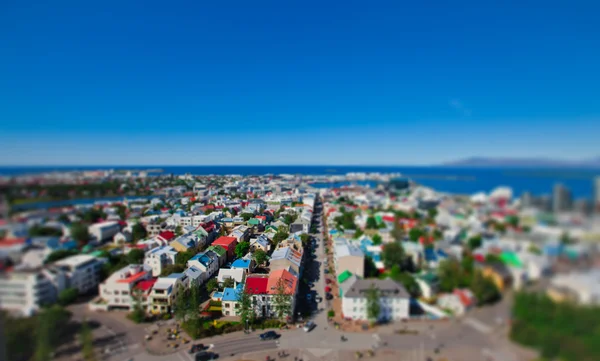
[581, 206]
[596, 200]
[526, 200]
[561, 199]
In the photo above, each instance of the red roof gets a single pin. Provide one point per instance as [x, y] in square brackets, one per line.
[479, 258]
[208, 227]
[261, 217]
[388, 218]
[220, 207]
[256, 285]
[133, 278]
[167, 235]
[208, 206]
[464, 298]
[9, 242]
[145, 285]
[225, 241]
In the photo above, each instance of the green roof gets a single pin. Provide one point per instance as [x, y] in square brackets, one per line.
[217, 249]
[510, 258]
[379, 219]
[428, 277]
[344, 276]
[200, 231]
[254, 222]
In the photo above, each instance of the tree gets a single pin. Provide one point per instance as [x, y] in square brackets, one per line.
[241, 249]
[492, 258]
[172, 268]
[279, 236]
[138, 315]
[398, 231]
[392, 254]
[48, 330]
[135, 256]
[228, 282]
[68, 296]
[122, 212]
[41, 231]
[415, 233]
[211, 285]
[484, 289]
[181, 304]
[59, 254]
[474, 242]
[377, 239]
[370, 268]
[282, 300]
[371, 223]
[183, 257]
[63, 218]
[289, 218]
[93, 215]
[246, 216]
[138, 232]
[80, 233]
[432, 213]
[373, 307]
[359, 233]
[406, 279]
[87, 342]
[260, 257]
[178, 231]
[194, 302]
[305, 238]
[244, 308]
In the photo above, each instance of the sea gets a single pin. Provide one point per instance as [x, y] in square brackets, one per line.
[458, 180]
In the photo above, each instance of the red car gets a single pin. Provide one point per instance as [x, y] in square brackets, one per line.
[328, 281]
[327, 289]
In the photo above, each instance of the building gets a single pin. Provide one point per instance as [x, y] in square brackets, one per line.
[561, 199]
[24, 291]
[163, 293]
[526, 200]
[240, 233]
[82, 271]
[230, 298]
[261, 242]
[221, 252]
[457, 302]
[122, 237]
[237, 275]
[256, 287]
[104, 231]
[184, 243]
[596, 200]
[118, 290]
[245, 264]
[229, 244]
[207, 262]
[286, 258]
[393, 300]
[159, 257]
[579, 287]
[348, 257]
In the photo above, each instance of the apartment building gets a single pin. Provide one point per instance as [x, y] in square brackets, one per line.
[393, 300]
[24, 291]
[164, 291]
[82, 272]
[118, 290]
[159, 257]
[104, 231]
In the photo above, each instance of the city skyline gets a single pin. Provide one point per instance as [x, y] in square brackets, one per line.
[387, 84]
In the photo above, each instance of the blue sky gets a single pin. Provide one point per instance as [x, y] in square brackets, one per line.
[287, 82]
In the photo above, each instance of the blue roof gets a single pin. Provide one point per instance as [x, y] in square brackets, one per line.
[430, 254]
[333, 231]
[442, 254]
[230, 294]
[241, 263]
[218, 295]
[175, 275]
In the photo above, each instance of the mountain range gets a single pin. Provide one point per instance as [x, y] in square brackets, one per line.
[524, 162]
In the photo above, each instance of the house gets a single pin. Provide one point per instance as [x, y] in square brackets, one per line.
[282, 282]
[159, 257]
[286, 258]
[256, 287]
[184, 243]
[237, 275]
[393, 300]
[221, 252]
[193, 276]
[104, 231]
[345, 281]
[165, 237]
[229, 244]
[240, 233]
[348, 257]
[118, 289]
[204, 262]
[244, 264]
[82, 271]
[457, 302]
[578, 287]
[261, 242]
[229, 300]
[164, 291]
[428, 284]
[122, 237]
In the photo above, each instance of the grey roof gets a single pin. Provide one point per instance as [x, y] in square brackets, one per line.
[343, 248]
[387, 288]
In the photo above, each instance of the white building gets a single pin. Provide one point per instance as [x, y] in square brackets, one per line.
[118, 289]
[23, 291]
[236, 274]
[104, 231]
[393, 300]
[159, 257]
[83, 272]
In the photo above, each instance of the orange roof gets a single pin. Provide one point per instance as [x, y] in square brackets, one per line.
[289, 282]
[7, 242]
[133, 278]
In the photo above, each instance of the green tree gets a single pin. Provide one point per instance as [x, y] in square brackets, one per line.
[359, 233]
[138, 315]
[484, 289]
[194, 302]
[406, 279]
[415, 233]
[279, 236]
[398, 231]
[244, 308]
[41, 231]
[135, 256]
[80, 233]
[282, 300]
[377, 239]
[474, 242]
[246, 216]
[138, 232]
[305, 238]
[241, 249]
[63, 218]
[392, 254]
[93, 215]
[260, 257]
[289, 218]
[212, 285]
[172, 268]
[181, 304]
[371, 223]
[87, 342]
[68, 296]
[534, 249]
[492, 258]
[432, 213]
[373, 307]
[228, 282]
[59, 254]
[122, 212]
[183, 257]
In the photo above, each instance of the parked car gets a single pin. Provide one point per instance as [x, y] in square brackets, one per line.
[308, 296]
[309, 326]
[328, 281]
[326, 271]
[206, 356]
[328, 296]
[269, 335]
[319, 299]
[196, 348]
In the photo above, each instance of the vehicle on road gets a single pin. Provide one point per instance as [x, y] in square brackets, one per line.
[328, 281]
[308, 296]
[328, 296]
[309, 326]
[319, 299]
[196, 348]
[206, 356]
[326, 271]
[269, 335]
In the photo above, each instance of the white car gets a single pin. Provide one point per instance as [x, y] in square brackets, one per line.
[309, 326]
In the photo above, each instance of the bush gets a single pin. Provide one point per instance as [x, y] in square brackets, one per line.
[68, 296]
[166, 316]
[331, 313]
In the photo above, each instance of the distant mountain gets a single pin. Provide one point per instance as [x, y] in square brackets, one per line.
[524, 162]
